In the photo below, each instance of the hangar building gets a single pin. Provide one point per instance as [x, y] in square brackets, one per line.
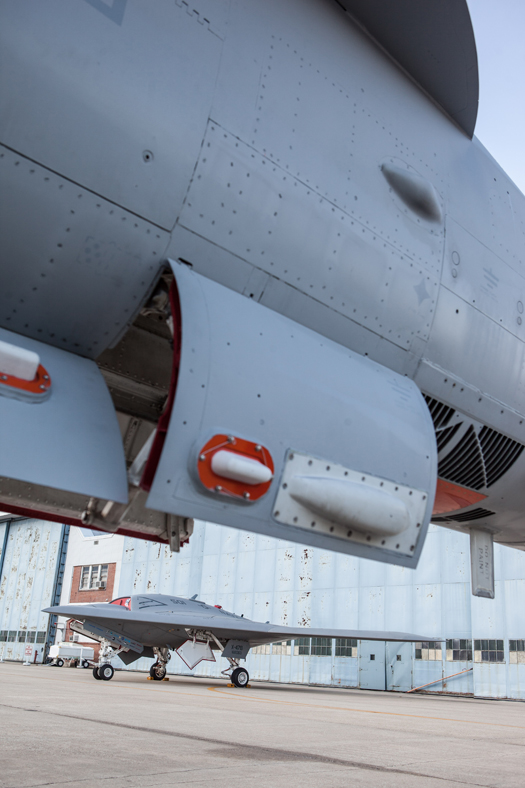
[268, 580]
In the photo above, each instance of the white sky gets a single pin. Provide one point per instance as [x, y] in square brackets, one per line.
[499, 28]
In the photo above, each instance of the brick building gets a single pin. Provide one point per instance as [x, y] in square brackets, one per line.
[90, 583]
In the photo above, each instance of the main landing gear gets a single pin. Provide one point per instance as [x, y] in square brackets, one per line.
[240, 677]
[159, 668]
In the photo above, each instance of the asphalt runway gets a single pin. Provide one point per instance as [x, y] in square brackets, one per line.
[60, 727]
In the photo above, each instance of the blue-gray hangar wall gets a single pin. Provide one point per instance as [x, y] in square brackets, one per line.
[269, 580]
[32, 559]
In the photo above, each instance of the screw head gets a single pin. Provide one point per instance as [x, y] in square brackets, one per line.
[258, 448]
[46, 377]
[42, 387]
[246, 495]
[218, 488]
[231, 439]
[202, 457]
[4, 377]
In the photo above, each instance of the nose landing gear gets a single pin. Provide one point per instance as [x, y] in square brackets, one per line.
[104, 670]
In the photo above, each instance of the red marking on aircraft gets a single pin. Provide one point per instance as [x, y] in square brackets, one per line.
[451, 497]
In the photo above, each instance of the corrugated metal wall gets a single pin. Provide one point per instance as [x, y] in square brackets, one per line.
[281, 582]
[285, 583]
[27, 583]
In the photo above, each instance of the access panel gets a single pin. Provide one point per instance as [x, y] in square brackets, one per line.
[58, 426]
[277, 430]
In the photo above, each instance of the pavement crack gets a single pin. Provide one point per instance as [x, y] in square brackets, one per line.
[134, 776]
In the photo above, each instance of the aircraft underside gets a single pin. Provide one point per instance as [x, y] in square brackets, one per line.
[281, 291]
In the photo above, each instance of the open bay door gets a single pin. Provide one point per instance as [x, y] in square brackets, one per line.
[277, 430]
[58, 427]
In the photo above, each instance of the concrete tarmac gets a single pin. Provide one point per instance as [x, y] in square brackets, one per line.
[61, 727]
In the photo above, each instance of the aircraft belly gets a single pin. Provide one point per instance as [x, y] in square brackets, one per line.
[251, 206]
[116, 105]
[71, 440]
[230, 270]
[79, 267]
[481, 352]
[483, 280]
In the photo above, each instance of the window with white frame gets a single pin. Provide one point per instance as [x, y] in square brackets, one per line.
[301, 647]
[429, 650]
[265, 649]
[95, 576]
[285, 647]
[346, 647]
[459, 650]
[517, 652]
[489, 651]
[321, 647]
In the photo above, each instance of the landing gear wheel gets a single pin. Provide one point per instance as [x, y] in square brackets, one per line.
[240, 677]
[106, 672]
[85, 664]
[95, 673]
[157, 672]
[60, 663]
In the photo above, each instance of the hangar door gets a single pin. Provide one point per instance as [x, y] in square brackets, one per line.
[372, 665]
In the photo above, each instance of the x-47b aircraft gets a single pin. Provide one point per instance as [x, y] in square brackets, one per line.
[256, 269]
[153, 625]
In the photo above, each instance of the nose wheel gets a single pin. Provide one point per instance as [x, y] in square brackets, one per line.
[105, 672]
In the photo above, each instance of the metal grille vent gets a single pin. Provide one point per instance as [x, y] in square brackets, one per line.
[479, 458]
[441, 413]
[446, 435]
[464, 464]
[464, 517]
[474, 514]
[499, 453]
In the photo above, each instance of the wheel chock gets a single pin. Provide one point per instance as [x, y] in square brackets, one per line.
[165, 678]
[149, 678]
